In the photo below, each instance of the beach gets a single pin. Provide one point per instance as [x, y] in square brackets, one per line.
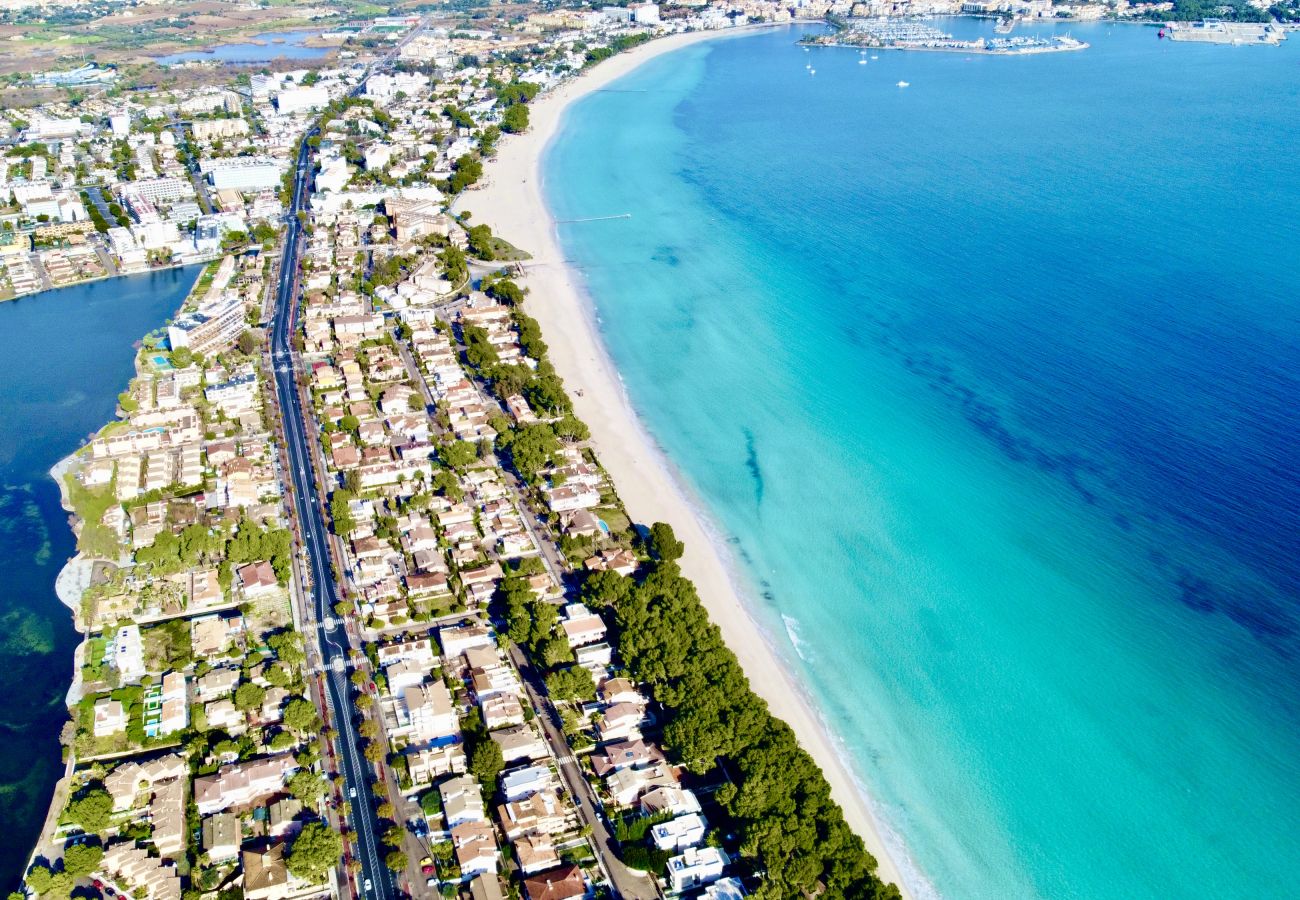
[511, 202]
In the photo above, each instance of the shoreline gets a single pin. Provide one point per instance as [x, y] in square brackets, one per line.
[512, 202]
[107, 277]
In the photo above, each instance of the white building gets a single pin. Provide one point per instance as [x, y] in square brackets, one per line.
[243, 173]
[128, 654]
[301, 99]
[645, 13]
[523, 783]
[723, 889]
[333, 175]
[697, 866]
[680, 833]
[428, 713]
[215, 328]
[110, 717]
[160, 190]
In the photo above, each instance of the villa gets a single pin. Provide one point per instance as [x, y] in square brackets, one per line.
[697, 866]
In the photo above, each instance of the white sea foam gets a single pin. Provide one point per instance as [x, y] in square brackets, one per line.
[792, 631]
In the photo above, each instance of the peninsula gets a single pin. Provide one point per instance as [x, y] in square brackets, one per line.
[896, 34]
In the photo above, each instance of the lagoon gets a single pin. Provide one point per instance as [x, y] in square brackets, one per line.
[67, 354]
[269, 46]
[989, 385]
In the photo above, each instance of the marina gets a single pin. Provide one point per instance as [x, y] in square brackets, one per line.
[911, 34]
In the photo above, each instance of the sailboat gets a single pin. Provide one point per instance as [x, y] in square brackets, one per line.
[904, 84]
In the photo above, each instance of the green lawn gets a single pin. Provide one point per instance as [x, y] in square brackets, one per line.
[89, 505]
[507, 252]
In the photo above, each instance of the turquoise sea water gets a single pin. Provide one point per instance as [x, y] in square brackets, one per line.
[991, 384]
[66, 356]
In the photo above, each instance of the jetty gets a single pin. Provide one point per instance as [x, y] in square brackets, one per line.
[1216, 31]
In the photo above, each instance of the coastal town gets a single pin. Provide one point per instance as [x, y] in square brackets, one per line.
[363, 612]
[112, 170]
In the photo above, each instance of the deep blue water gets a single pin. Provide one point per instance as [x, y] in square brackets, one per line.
[991, 384]
[67, 354]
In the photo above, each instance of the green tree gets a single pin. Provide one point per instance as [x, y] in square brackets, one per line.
[61, 885]
[82, 859]
[288, 647]
[480, 241]
[663, 543]
[38, 879]
[249, 696]
[515, 119]
[517, 92]
[315, 851]
[454, 264]
[446, 484]
[307, 786]
[606, 588]
[465, 171]
[573, 683]
[278, 675]
[396, 860]
[457, 454]
[554, 651]
[91, 810]
[506, 291]
[486, 762]
[300, 715]
[530, 448]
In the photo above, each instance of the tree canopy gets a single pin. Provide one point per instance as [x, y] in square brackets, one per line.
[515, 119]
[663, 543]
[82, 859]
[315, 851]
[91, 809]
[778, 798]
[486, 761]
[572, 683]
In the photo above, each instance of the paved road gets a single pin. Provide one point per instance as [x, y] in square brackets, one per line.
[626, 883]
[375, 880]
[550, 554]
[315, 536]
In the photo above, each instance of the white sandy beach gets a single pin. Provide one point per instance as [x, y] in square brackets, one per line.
[512, 203]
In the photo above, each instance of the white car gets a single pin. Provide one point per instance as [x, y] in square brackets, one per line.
[352, 793]
[366, 887]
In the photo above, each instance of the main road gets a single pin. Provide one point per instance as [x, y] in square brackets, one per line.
[375, 880]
